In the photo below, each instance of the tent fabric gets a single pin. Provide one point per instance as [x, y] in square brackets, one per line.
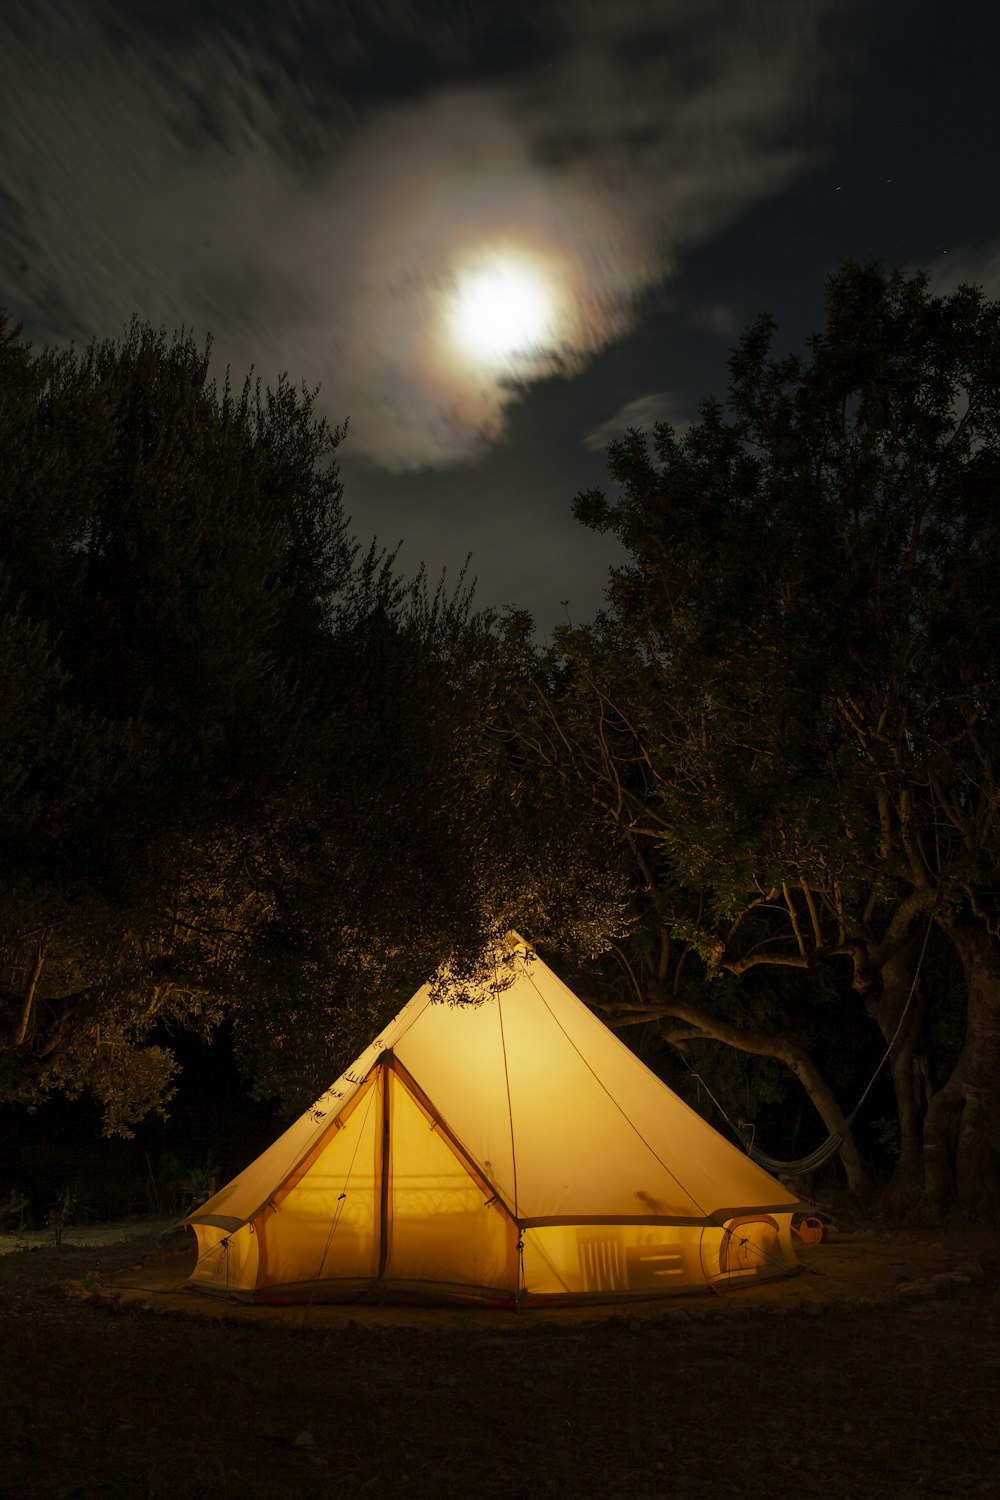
[508, 1151]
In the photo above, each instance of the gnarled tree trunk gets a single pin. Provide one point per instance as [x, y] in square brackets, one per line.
[760, 1044]
[962, 1128]
[898, 1009]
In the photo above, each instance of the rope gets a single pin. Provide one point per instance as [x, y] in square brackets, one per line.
[902, 1017]
[615, 1102]
[338, 1211]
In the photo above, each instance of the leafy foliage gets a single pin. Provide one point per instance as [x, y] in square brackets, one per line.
[787, 714]
[245, 768]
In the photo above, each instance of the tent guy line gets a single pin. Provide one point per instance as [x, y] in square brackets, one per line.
[531, 956]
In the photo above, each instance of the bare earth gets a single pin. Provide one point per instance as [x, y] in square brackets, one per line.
[875, 1373]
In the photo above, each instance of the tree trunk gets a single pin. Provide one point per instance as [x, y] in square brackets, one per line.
[962, 1129]
[898, 1009]
[794, 1056]
[830, 1112]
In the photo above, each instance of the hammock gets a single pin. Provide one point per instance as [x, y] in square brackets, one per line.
[803, 1164]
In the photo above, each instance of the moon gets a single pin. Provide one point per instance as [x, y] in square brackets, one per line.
[501, 310]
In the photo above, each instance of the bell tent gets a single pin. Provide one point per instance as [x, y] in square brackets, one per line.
[509, 1152]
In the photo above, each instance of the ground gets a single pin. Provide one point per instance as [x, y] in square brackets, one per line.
[874, 1374]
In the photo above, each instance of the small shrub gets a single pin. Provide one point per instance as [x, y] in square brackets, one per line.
[67, 1209]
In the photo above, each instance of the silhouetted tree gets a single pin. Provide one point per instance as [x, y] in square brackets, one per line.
[244, 767]
[788, 712]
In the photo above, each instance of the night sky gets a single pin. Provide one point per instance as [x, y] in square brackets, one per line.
[494, 234]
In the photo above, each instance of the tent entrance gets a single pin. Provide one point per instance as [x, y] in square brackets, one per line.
[443, 1223]
[385, 1201]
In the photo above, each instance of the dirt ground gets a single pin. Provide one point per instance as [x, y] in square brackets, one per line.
[872, 1375]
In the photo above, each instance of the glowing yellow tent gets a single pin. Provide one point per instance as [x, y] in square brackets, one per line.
[511, 1152]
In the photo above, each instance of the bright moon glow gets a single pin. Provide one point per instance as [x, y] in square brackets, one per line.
[501, 310]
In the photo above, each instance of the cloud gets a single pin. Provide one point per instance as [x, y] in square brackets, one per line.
[643, 413]
[721, 319]
[309, 189]
[971, 265]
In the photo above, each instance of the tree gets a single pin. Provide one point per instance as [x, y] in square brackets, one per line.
[244, 767]
[788, 712]
[171, 555]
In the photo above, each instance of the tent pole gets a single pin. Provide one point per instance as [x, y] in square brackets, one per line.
[383, 1253]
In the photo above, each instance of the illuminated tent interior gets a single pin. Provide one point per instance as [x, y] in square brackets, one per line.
[511, 1152]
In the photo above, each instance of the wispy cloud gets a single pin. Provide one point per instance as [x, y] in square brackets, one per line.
[972, 265]
[306, 189]
[643, 413]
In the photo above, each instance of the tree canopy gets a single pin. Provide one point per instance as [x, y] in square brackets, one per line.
[787, 714]
[244, 767]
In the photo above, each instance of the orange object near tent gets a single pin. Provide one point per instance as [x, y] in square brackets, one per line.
[809, 1231]
[509, 1152]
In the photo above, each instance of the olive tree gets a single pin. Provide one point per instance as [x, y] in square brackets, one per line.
[788, 712]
